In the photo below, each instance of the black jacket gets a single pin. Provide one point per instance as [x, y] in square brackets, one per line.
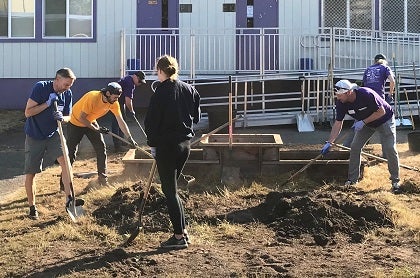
[173, 109]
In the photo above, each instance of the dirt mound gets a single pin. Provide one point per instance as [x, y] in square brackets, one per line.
[122, 209]
[320, 214]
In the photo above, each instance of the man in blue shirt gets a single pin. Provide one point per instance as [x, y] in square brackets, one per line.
[128, 85]
[372, 113]
[42, 143]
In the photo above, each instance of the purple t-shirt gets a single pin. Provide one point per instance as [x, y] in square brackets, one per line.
[375, 77]
[366, 103]
[127, 85]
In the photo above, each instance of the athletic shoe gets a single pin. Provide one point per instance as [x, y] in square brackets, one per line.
[174, 243]
[33, 213]
[396, 188]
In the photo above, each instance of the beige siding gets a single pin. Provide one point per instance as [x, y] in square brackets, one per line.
[299, 14]
[88, 60]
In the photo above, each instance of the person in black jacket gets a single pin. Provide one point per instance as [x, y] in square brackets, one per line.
[173, 109]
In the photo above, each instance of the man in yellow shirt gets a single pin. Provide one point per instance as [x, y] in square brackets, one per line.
[85, 112]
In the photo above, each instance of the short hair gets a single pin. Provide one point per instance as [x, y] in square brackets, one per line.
[66, 73]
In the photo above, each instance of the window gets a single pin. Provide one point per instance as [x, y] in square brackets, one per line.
[35, 20]
[68, 18]
[185, 8]
[17, 18]
[228, 8]
[384, 15]
[348, 14]
[401, 16]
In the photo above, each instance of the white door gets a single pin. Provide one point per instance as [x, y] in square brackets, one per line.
[207, 35]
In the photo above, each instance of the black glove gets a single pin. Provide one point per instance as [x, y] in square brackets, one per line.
[132, 142]
[103, 130]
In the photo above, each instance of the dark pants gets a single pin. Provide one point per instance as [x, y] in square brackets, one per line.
[170, 161]
[75, 135]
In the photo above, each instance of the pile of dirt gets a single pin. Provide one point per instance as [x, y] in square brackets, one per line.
[323, 214]
[320, 214]
[122, 209]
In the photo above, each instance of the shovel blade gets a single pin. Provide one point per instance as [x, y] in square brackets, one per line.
[75, 212]
[305, 122]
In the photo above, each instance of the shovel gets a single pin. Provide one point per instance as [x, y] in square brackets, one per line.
[304, 121]
[73, 211]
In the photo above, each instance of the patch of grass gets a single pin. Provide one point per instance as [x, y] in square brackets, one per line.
[10, 119]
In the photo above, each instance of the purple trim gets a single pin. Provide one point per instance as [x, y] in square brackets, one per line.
[17, 90]
[376, 15]
[38, 29]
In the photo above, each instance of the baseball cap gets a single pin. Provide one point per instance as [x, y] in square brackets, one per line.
[380, 56]
[140, 74]
[344, 86]
[114, 88]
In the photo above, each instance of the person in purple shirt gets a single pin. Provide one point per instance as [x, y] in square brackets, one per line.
[376, 75]
[128, 85]
[372, 114]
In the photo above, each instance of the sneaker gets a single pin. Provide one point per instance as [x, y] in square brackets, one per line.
[33, 213]
[174, 243]
[396, 188]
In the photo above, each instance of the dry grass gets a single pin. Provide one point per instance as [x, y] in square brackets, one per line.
[56, 241]
[10, 119]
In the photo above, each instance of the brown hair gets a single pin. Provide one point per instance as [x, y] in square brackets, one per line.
[169, 65]
[66, 73]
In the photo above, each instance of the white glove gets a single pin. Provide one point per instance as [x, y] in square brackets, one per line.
[153, 151]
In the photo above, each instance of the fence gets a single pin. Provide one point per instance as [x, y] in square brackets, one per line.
[265, 50]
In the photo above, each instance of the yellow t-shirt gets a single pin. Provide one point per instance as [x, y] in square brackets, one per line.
[91, 103]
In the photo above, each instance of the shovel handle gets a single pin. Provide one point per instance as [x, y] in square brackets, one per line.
[376, 157]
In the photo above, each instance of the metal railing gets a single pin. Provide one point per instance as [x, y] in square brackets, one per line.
[258, 55]
[265, 50]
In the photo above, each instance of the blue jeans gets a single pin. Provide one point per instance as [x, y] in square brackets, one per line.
[387, 132]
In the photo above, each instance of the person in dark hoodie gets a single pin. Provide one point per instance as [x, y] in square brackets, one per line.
[173, 109]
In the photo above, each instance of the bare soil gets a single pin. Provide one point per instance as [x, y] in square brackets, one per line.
[255, 229]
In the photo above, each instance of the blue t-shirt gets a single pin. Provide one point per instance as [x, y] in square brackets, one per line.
[375, 78]
[43, 125]
[128, 86]
[366, 103]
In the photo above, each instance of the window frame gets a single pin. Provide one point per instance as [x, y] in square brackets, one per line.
[39, 27]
